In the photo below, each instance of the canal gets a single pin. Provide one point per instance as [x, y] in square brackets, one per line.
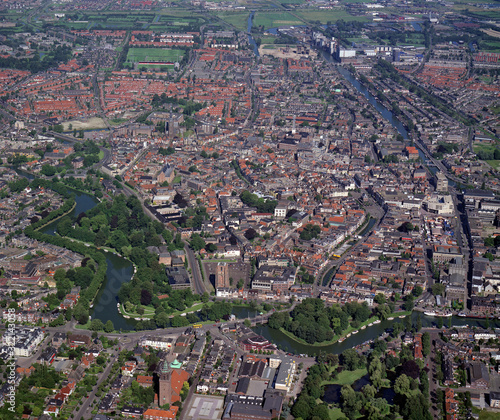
[287, 344]
[119, 271]
[251, 41]
[388, 115]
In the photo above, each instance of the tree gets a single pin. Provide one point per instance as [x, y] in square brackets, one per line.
[409, 303]
[109, 327]
[146, 297]
[417, 291]
[426, 344]
[410, 368]
[301, 409]
[369, 391]
[419, 322]
[96, 325]
[416, 407]
[440, 322]
[69, 314]
[197, 242]
[250, 234]
[402, 385]
[350, 359]
[438, 289]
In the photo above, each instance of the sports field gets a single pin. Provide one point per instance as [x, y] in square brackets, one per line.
[136, 55]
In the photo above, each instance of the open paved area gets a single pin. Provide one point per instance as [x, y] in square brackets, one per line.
[205, 407]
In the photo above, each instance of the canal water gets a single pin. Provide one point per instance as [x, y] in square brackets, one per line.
[370, 333]
[373, 101]
[252, 42]
[388, 115]
[119, 271]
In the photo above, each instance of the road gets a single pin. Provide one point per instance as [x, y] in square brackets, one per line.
[85, 411]
[198, 285]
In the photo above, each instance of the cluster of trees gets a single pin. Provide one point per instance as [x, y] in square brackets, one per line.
[198, 243]
[408, 380]
[492, 242]
[193, 217]
[252, 200]
[138, 394]
[313, 322]
[98, 325]
[305, 276]
[17, 159]
[18, 185]
[81, 310]
[27, 401]
[306, 406]
[489, 154]
[205, 155]
[59, 54]
[310, 232]
[60, 185]
[166, 151]
[190, 107]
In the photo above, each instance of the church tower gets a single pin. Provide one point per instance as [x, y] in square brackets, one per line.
[165, 384]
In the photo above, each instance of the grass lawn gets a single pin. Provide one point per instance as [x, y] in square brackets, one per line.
[117, 121]
[485, 148]
[268, 39]
[239, 19]
[194, 308]
[154, 54]
[101, 154]
[336, 413]
[275, 19]
[485, 415]
[325, 16]
[492, 46]
[494, 163]
[299, 340]
[346, 377]
[149, 312]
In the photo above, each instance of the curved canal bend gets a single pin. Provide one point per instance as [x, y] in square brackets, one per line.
[119, 271]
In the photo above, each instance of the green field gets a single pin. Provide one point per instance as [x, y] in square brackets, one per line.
[491, 46]
[237, 19]
[154, 54]
[275, 19]
[325, 16]
[346, 377]
[336, 413]
[487, 415]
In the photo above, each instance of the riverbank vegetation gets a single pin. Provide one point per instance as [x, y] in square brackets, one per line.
[314, 323]
[373, 383]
